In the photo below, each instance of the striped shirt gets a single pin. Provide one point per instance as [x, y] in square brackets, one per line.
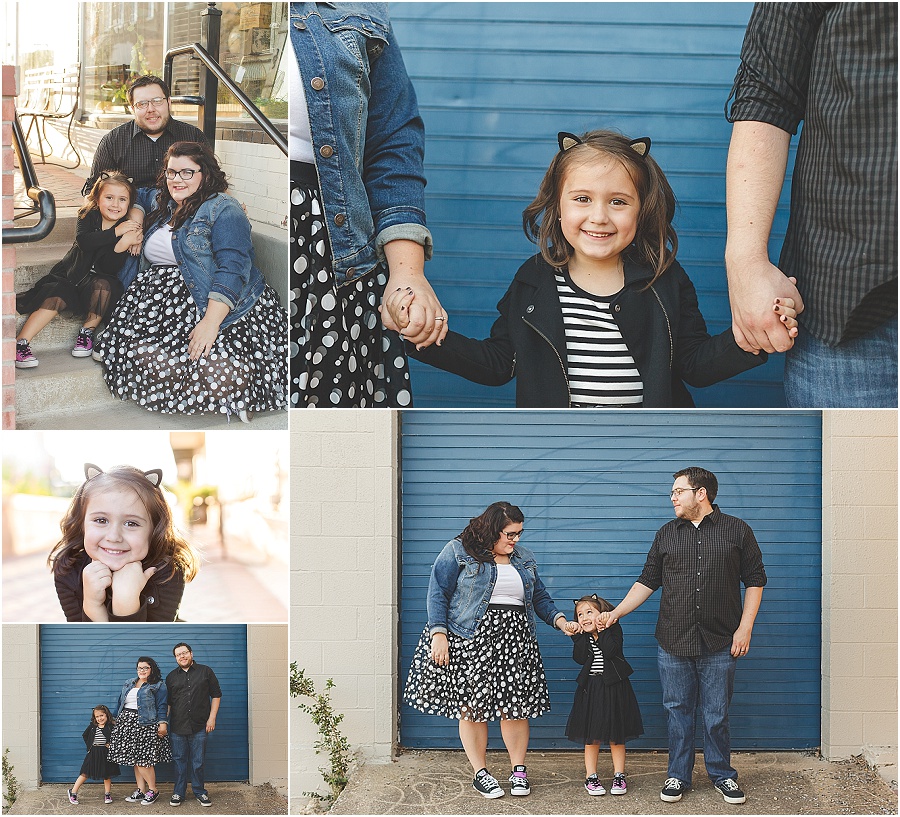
[833, 66]
[99, 738]
[597, 660]
[601, 370]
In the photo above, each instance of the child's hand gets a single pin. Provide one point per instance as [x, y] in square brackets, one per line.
[127, 584]
[786, 310]
[95, 579]
[603, 621]
[397, 304]
[572, 628]
[127, 227]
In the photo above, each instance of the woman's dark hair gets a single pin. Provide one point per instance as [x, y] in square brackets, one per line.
[212, 181]
[601, 605]
[102, 708]
[655, 242]
[482, 532]
[155, 674]
[168, 551]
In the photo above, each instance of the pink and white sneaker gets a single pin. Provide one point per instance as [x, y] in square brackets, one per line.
[24, 357]
[618, 785]
[593, 786]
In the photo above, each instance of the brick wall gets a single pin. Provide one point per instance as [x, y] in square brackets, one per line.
[8, 389]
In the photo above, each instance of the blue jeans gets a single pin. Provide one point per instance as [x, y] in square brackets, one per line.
[706, 681]
[189, 752]
[861, 373]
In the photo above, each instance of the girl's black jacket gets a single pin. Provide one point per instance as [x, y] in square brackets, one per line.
[662, 327]
[615, 667]
[88, 735]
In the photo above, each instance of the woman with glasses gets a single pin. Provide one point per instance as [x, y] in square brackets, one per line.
[198, 330]
[140, 737]
[478, 658]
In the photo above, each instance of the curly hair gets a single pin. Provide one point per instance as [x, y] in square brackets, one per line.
[166, 545]
[655, 242]
[155, 672]
[212, 182]
[92, 200]
[480, 535]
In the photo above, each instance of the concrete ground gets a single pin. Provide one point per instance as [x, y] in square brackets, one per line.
[439, 782]
[228, 798]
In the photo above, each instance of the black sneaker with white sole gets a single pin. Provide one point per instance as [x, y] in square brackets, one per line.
[672, 790]
[732, 793]
[487, 785]
[519, 782]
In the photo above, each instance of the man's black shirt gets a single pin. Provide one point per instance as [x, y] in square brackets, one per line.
[189, 693]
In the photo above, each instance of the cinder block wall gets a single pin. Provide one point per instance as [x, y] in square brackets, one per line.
[21, 701]
[859, 584]
[344, 578]
[267, 665]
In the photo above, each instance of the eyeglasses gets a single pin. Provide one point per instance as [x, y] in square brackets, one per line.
[182, 654]
[185, 175]
[143, 669]
[156, 102]
[680, 491]
[512, 535]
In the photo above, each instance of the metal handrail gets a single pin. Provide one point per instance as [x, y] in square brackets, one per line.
[204, 56]
[45, 204]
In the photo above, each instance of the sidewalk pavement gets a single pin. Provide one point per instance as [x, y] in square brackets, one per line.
[227, 798]
[440, 782]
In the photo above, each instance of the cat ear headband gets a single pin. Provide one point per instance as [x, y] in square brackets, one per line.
[154, 476]
[569, 140]
[593, 595]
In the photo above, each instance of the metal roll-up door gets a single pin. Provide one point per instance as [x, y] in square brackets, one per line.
[83, 665]
[495, 82]
[594, 490]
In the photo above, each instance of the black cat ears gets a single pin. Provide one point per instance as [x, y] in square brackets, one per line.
[154, 477]
[569, 140]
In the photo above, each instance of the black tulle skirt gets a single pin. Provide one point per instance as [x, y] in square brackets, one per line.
[97, 765]
[604, 713]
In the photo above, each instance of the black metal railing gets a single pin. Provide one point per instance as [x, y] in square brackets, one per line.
[208, 100]
[44, 202]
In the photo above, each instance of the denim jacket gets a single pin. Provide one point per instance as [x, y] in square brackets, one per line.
[460, 587]
[368, 137]
[216, 257]
[152, 702]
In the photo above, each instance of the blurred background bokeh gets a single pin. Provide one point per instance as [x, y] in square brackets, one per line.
[228, 494]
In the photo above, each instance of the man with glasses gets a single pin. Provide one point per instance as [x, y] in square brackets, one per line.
[194, 697]
[700, 559]
[137, 148]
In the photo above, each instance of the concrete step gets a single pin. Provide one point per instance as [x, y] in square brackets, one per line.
[65, 392]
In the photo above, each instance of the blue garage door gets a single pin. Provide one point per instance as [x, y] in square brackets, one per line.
[497, 81]
[594, 490]
[83, 665]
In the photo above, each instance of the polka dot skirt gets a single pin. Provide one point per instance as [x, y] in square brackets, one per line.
[134, 745]
[144, 350]
[496, 674]
[341, 355]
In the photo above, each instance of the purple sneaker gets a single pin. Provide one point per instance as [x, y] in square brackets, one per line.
[73, 797]
[24, 358]
[618, 785]
[593, 786]
[84, 344]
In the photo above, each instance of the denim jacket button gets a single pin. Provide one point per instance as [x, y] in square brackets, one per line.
[530, 309]
[300, 25]
[351, 273]
[327, 151]
[339, 219]
[317, 83]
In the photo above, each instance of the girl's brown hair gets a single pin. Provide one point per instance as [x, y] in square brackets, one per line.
[480, 535]
[105, 178]
[655, 242]
[599, 604]
[212, 181]
[167, 547]
[102, 708]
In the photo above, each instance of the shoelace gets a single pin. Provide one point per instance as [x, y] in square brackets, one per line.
[729, 784]
[674, 783]
[489, 780]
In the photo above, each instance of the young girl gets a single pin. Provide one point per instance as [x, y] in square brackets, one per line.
[96, 765]
[120, 558]
[86, 281]
[605, 709]
[604, 315]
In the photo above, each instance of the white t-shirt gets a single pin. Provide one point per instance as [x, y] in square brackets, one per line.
[300, 147]
[158, 248]
[509, 588]
[131, 699]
